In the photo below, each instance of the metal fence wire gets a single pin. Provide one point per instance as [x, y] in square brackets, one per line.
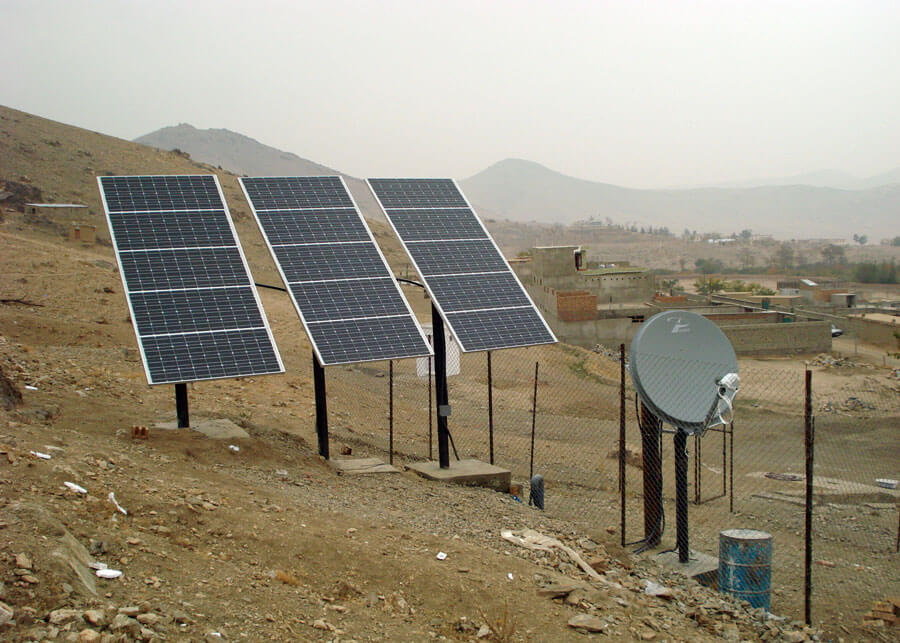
[748, 474]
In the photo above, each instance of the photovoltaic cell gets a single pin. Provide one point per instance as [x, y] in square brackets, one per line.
[176, 229]
[453, 257]
[341, 285]
[471, 283]
[418, 193]
[195, 311]
[297, 192]
[474, 292]
[156, 193]
[315, 226]
[326, 300]
[428, 225]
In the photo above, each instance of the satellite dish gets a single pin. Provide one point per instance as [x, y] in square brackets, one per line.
[685, 370]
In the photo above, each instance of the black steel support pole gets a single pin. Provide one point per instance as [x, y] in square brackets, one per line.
[440, 387]
[622, 442]
[390, 412]
[490, 409]
[650, 430]
[810, 448]
[681, 499]
[321, 406]
[533, 421]
[181, 405]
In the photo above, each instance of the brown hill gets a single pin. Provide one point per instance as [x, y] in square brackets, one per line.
[253, 536]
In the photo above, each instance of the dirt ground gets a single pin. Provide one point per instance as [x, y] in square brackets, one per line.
[257, 538]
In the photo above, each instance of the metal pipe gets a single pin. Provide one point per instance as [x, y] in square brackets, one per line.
[440, 387]
[390, 411]
[430, 416]
[810, 431]
[321, 406]
[181, 405]
[651, 427]
[731, 470]
[681, 501]
[622, 442]
[490, 383]
[533, 421]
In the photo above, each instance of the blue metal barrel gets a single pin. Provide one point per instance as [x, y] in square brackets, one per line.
[745, 565]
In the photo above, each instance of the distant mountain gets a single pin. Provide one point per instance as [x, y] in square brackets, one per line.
[521, 190]
[824, 179]
[244, 155]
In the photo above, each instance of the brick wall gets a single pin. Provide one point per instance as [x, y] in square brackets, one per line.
[576, 305]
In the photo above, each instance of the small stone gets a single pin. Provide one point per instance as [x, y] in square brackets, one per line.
[23, 561]
[122, 622]
[89, 636]
[28, 578]
[322, 624]
[483, 632]
[58, 617]
[94, 617]
[148, 618]
[825, 563]
[130, 610]
[6, 613]
[587, 622]
[731, 632]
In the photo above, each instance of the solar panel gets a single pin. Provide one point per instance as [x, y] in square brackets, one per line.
[341, 285]
[195, 310]
[467, 277]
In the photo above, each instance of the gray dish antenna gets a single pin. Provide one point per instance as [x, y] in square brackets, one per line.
[685, 370]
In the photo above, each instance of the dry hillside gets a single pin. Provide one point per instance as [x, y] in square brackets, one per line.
[252, 536]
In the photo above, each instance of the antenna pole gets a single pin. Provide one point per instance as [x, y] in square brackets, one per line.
[440, 388]
[321, 406]
[681, 496]
[181, 405]
[650, 429]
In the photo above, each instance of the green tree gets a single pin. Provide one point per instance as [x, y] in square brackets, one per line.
[709, 266]
[833, 254]
[709, 285]
[784, 256]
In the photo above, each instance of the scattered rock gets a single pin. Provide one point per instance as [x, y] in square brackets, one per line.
[587, 622]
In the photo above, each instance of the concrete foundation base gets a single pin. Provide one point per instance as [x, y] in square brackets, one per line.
[701, 567]
[470, 472]
[361, 465]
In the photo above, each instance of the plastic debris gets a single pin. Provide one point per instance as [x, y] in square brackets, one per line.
[234, 448]
[77, 488]
[97, 565]
[42, 456]
[509, 576]
[441, 556]
[531, 539]
[30, 387]
[108, 573]
[112, 499]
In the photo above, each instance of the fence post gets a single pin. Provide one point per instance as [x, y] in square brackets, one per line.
[490, 383]
[533, 419]
[810, 448]
[391, 412]
[622, 441]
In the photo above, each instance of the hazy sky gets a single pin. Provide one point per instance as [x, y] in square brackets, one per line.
[646, 94]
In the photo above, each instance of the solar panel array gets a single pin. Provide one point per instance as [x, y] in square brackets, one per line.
[469, 280]
[339, 281]
[194, 307]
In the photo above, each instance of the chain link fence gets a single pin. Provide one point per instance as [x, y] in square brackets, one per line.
[749, 474]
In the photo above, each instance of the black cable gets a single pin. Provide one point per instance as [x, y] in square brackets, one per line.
[452, 444]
